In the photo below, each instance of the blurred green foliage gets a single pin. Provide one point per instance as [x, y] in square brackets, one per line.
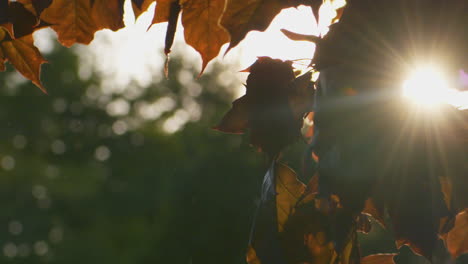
[84, 179]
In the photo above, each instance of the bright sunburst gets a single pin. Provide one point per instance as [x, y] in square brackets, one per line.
[426, 86]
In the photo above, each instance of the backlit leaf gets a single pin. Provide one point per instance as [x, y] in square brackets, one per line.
[252, 256]
[241, 17]
[72, 20]
[201, 29]
[108, 14]
[162, 11]
[24, 56]
[457, 238]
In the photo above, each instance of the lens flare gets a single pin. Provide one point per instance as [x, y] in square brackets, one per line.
[426, 86]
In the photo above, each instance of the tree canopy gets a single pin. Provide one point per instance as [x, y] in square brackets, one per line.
[370, 154]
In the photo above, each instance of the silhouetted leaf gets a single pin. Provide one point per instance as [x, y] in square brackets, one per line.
[23, 55]
[24, 22]
[265, 238]
[235, 120]
[275, 103]
[3, 11]
[201, 28]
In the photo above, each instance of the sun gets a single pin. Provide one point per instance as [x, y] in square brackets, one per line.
[426, 86]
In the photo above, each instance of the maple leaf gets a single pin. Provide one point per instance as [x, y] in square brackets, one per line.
[273, 106]
[72, 20]
[162, 11]
[36, 6]
[241, 17]
[201, 29]
[140, 6]
[24, 56]
[108, 14]
[76, 21]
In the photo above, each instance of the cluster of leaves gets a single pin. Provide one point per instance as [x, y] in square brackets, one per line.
[374, 155]
[207, 24]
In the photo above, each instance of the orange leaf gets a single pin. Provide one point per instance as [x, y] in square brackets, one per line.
[36, 6]
[162, 11]
[378, 259]
[23, 55]
[140, 6]
[108, 14]
[457, 238]
[251, 257]
[201, 29]
[72, 21]
[241, 17]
